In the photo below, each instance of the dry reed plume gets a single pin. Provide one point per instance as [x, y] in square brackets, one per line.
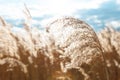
[109, 39]
[69, 49]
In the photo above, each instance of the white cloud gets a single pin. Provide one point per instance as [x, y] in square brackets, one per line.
[118, 1]
[11, 11]
[63, 7]
[95, 19]
[115, 24]
[48, 7]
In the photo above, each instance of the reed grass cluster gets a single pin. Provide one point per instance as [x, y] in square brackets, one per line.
[68, 49]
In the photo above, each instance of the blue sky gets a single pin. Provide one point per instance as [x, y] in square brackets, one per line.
[97, 13]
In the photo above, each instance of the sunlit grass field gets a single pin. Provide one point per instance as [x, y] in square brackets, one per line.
[67, 49]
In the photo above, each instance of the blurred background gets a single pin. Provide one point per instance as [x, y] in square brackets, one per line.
[97, 13]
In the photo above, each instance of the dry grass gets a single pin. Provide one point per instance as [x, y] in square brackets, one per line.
[68, 50]
[109, 39]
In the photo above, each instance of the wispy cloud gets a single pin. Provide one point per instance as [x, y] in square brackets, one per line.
[63, 7]
[95, 19]
[11, 11]
[115, 24]
[47, 7]
[118, 1]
